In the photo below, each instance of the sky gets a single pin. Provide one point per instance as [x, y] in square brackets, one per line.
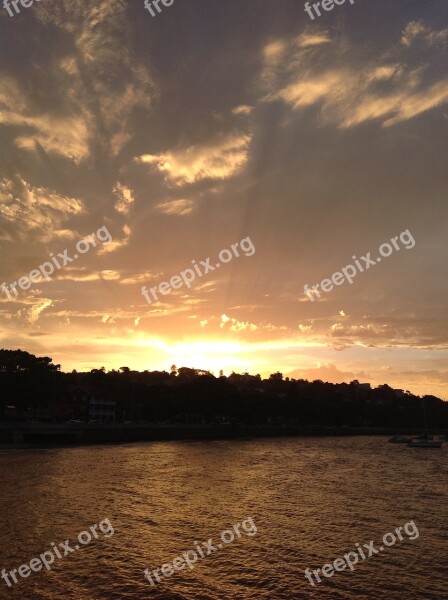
[218, 121]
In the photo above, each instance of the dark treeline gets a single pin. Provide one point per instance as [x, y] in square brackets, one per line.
[35, 389]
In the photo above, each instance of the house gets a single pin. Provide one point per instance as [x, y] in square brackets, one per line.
[101, 409]
[86, 404]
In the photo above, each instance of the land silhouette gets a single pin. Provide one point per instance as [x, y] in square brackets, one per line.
[35, 389]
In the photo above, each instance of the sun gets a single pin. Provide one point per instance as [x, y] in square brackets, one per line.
[212, 356]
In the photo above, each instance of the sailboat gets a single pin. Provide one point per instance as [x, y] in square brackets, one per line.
[400, 439]
[426, 440]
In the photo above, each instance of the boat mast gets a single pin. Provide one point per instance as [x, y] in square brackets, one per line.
[424, 412]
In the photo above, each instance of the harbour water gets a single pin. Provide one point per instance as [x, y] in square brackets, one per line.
[311, 499]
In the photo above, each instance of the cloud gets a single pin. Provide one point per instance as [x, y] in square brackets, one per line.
[36, 210]
[390, 92]
[117, 244]
[219, 158]
[91, 91]
[327, 372]
[273, 51]
[35, 311]
[106, 71]
[401, 106]
[108, 319]
[84, 275]
[417, 31]
[123, 198]
[235, 325]
[64, 134]
[181, 208]
[243, 109]
[347, 331]
[412, 30]
[417, 333]
[140, 278]
[312, 39]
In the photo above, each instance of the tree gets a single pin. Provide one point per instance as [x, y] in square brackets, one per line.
[16, 361]
[101, 371]
[276, 376]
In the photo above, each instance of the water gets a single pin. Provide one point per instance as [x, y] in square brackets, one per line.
[311, 500]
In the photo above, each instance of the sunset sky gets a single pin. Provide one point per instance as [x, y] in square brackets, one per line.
[215, 121]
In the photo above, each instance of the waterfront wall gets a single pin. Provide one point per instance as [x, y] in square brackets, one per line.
[78, 434]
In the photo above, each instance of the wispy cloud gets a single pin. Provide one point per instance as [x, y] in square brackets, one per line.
[60, 132]
[35, 311]
[85, 275]
[235, 325]
[181, 208]
[36, 210]
[99, 82]
[305, 40]
[116, 243]
[347, 95]
[123, 198]
[218, 158]
[243, 109]
[140, 278]
[416, 31]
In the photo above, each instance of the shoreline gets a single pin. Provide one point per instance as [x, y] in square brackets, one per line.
[65, 434]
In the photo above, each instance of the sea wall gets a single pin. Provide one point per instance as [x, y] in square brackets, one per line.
[79, 434]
